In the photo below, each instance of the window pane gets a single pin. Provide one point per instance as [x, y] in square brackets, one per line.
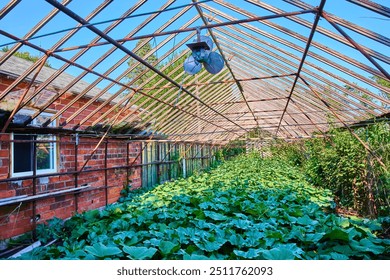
[22, 154]
[45, 153]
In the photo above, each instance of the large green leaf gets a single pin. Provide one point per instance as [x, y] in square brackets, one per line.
[337, 256]
[337, 234]
[366, 245]
[195, 257]
[210, 246]
[283, 252]
[306, 221]
[166, 247]
[250, 254]
[101, 251]
[215, 216]
[139, 253]
[279, 254]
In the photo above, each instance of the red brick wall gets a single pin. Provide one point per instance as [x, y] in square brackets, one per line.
[17, 218]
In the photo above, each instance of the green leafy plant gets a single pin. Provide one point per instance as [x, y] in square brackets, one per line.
[247, 208]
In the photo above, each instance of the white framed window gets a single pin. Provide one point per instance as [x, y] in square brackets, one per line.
[22, 153]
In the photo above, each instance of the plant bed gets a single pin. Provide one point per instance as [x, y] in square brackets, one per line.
[247, 208]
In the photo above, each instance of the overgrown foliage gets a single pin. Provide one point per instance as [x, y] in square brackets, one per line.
[26, 56]
[341, 163]
[247, 208]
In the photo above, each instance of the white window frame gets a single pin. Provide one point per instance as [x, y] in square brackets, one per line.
[51, 138]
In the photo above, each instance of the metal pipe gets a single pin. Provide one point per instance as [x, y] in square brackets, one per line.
[375, 7]
[106, 171]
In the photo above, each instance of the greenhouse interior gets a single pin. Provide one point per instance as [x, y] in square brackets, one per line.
[194, 130]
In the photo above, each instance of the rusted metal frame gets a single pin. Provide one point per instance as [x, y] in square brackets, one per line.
[90, 87]
[241, 39]
[100, 141]
[95, 40]
[75, 171]
[225, 81]
[9, 7]
[26, 90]
[47, 82]
[249, 101]
[32, 31]
[126, 50]
[182, 110]
[252, 60]
[205, 22]
[76, 174]
[307, 116]
[370, 82]
[140, 2]
[106, 102]
[357, 46]
[95, 64]
[372, 6]
[106, 171]
[274, 116]
[206, 137]
[365, 145]
[311, 73]
[362, 31]
[170, 99]
[254, 87]
[271, 73]
[297, 138]
[301, 96]
[36, 64]
[315, 44]
[161, 122]
[72, 63]
[361, 78]
[127, 163]
[208, 27]
[142, 73]
[120, 102]
[183, 125]
[145, 110]
[316, 56]
[341, 100]
[298, 123]
[210, 93]
[320, 29]
[305, 52]
[314, 66]
[108, 78]
[356, 28]
[173, 126]
[34, 190]
[164, 141]
[215, 93]
[96, 97]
